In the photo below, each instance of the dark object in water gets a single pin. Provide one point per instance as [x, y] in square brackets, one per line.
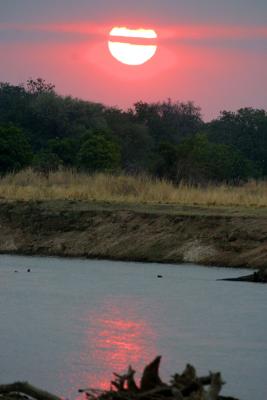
[28, 270]
[16, 271]
[159, 276]
[257, 277]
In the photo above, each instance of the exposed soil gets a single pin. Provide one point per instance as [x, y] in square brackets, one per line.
[231, 237]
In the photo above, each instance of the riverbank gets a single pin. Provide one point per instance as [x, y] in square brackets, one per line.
[231, 237]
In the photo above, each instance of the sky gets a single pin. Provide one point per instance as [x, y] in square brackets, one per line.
[212, 52]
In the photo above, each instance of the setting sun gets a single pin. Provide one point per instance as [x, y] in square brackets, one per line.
[132, 46]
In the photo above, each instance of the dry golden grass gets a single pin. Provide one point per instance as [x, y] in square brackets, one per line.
[70, 185]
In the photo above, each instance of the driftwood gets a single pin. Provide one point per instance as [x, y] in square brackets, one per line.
[257, 277]
[24, 389]
[128, 378]
[187, 386]
[150, 378]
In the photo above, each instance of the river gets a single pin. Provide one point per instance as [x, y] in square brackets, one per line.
[70, 323]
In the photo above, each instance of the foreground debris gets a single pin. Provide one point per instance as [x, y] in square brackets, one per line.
[187, 386]
[258, 277]
[23, 390]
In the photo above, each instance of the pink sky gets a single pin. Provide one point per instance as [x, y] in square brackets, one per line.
[217, 66]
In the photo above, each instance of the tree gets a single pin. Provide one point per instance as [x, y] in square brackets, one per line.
[15, 151]
[65, 149]
[39, 86]
[136, 146]
[99, 153]
[52, 116]
[134, 139]
[14, 102]
[197, 160]
[161, 137]
[246, 131]
[165, 163]
[200, 161]
[45, 162]
[168, 121]
[44, 115]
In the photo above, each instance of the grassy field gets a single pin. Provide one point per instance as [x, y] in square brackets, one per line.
[70, 185]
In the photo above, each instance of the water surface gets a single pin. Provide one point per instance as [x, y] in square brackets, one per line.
[70, 323]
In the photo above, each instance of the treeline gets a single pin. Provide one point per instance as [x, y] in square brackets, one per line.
[42, 129]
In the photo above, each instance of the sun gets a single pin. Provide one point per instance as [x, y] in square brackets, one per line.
[132, 46]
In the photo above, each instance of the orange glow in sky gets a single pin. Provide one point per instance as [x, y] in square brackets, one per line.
[131, 53]
[193, 61]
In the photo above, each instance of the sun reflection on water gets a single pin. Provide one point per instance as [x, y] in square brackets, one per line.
[113, 338]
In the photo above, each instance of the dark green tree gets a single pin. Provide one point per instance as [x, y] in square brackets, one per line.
[134, 139]
[99, 153]
[38, 86]
[158, 137]
[14, 103]
[15, 151]
[43, 115]
[65, 149]
[201, 161]
[168, 121]
[166, 160]
[246, 131]
[45, 162]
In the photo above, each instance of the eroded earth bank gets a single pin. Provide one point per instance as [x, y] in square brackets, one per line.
[169, 234]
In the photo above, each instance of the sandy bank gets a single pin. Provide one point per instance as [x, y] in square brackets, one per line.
[213, 236]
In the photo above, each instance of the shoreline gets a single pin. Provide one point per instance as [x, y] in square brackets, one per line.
[223, 237]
